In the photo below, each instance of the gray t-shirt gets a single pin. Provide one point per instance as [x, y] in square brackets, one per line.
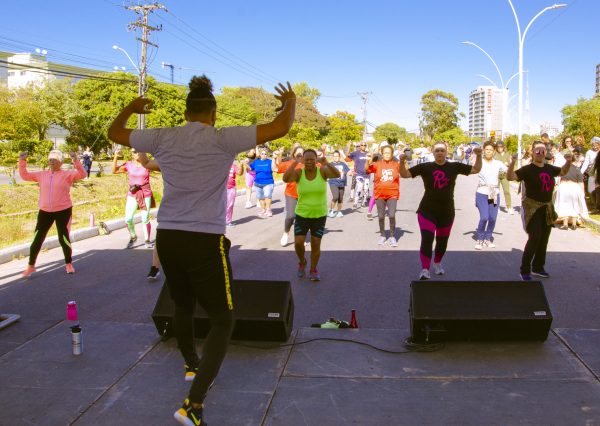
[195, 160]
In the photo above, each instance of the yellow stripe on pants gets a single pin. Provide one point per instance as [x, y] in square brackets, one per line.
[226, 271]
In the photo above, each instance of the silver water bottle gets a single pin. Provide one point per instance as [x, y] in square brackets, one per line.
[76, 340]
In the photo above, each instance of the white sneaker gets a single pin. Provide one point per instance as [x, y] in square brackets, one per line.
[339, 214]
[381, 241]
[489, 244]
[248, 205]
[261, 211]
[331, 213]
[268, 213]
[392, 241]
[424, 275]
[479, 245]
[438, 269]
[284, 239]
[511, 211]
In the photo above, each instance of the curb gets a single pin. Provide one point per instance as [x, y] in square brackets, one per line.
[22, 250]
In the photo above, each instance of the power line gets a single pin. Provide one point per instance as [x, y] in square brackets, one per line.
[217, 56]
[231, 54]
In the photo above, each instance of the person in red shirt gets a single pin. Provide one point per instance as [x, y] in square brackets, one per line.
[291, 194]
[386, 191]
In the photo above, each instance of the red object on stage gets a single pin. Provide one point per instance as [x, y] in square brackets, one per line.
[353, 322]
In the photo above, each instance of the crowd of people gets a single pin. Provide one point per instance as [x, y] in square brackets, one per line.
[199, 169]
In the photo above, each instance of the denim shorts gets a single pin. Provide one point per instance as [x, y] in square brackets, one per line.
[264, 190]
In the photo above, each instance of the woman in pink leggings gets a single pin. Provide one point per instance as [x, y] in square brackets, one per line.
[436, 210]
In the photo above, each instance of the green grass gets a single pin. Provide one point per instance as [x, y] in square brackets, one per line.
[104, 197]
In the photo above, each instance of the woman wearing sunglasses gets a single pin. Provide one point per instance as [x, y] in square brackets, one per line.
[436, 210]
[537, 210]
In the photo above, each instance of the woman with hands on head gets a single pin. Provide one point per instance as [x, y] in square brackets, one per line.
[195, 160]
[311, 210]
[54, 203]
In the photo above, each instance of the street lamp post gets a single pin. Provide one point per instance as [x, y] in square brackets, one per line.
[503, 87]
[520, 72]
[141, 78]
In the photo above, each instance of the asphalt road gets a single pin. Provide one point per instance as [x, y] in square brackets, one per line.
[357, 273]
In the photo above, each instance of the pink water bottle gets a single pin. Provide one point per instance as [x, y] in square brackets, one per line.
[72, 311]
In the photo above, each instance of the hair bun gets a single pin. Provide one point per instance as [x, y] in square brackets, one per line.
[201, 82]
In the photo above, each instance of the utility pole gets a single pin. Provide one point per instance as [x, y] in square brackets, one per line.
[142, 22]
[171, 67]
[365, 98]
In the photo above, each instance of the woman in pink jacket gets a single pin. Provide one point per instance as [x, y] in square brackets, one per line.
[55, 204]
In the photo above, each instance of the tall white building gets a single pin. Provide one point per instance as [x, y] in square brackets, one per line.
[487, 112]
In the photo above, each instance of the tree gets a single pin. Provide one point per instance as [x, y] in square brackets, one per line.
[304, 91]
[99, 101]
[390, 132]
[454, 137]
[439, 112]
[582, 118]
[511, 143]
[343, 129]
[234, 109]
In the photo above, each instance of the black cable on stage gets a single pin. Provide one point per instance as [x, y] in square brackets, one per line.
[410, 346]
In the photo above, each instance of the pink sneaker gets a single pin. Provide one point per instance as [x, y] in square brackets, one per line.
[69, 268]
[28, 271]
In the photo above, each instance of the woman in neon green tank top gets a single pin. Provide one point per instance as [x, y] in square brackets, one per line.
[311, 210]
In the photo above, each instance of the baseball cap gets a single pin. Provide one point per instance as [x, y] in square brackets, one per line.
[55, 154]
[595, 139]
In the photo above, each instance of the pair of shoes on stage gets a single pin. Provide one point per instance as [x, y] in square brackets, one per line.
[188, 415]
[438, 269]
[527, 277]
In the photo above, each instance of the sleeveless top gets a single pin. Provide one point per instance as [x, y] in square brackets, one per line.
[312, 196]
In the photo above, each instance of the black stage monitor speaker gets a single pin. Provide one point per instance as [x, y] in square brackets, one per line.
[478, 310]
[263, 310]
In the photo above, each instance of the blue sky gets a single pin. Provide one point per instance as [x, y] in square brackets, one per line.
[397, 50]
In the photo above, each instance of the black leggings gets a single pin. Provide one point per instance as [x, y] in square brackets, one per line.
[197, 269]
[534, 254]
[43, 225]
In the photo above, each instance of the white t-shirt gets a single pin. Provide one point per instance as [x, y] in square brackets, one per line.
[195, 160]
[488, 175]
